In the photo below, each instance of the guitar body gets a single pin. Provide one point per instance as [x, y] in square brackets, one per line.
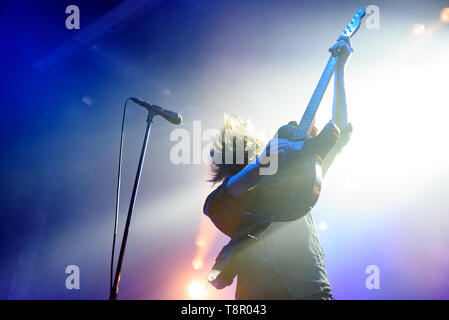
[296, 186]
[293, 191]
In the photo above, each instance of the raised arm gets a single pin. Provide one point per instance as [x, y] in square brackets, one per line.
[343, 49]
[339, 112]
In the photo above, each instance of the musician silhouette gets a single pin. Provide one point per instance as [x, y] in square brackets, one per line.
[272, 259]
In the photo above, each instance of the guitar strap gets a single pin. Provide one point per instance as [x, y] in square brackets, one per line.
[226, 263]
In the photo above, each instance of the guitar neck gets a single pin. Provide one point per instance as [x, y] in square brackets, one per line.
[314, 103]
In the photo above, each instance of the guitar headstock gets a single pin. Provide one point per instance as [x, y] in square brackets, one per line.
[354, 24]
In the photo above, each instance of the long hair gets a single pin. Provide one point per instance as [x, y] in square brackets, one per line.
[235, 136]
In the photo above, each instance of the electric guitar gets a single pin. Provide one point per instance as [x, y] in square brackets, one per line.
[297, 185]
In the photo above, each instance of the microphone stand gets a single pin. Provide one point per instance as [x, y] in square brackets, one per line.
[114, 289]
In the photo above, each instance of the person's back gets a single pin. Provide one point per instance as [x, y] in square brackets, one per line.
[286, 263]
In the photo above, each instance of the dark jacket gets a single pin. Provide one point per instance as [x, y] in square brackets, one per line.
[283, 259]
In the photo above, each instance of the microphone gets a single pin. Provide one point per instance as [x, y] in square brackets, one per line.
[171, 116]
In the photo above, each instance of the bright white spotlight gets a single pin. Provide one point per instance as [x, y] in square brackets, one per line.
[197, 290]
[418, 29]
[200, 242]
[322, 225]
[197, 264]
[444, 16]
